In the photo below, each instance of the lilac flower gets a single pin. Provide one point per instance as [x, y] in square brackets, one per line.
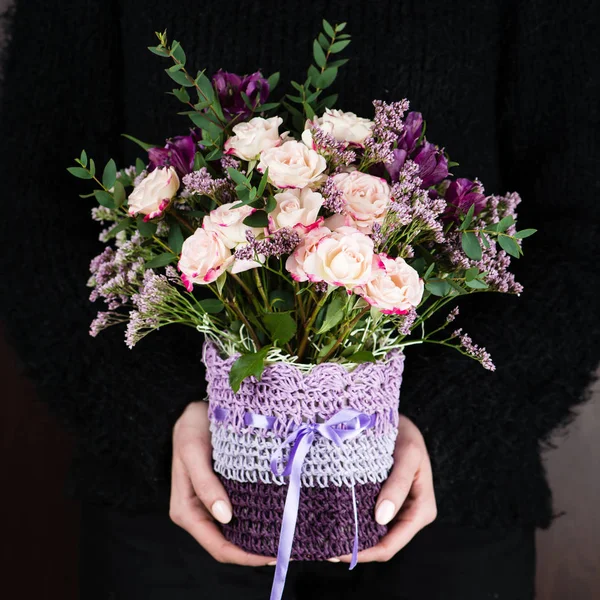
[279, 243]
[333, 197]
[433, 166]
[336, 152]
[202, 183]
[229, 161]
[407, 321]
[461, 195]
[452, 315]
[178, 153]
[230, 87]
[387, 129]
[475, 351]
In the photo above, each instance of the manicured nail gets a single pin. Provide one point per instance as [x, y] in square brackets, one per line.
[272, 563]
[221, 511]
[333, 559]
[385, 511]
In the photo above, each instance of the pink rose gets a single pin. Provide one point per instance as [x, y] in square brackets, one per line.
[342, 258]
[367, 198]
[344, 126]
[204, 257]
[295, 261]
[253, 137]
[296, 208]
[228, 224]
[395, 287]
[153, 194]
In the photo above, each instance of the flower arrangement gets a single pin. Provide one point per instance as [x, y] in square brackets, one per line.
[295, 235]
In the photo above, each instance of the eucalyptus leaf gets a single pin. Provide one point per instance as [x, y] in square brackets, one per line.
[328, 28]
[121, 226]
[470, 245]
[79, 172]
[524, 233]
[177, 52]
[109, 176]
[271, 204]
[509, 245]
[505, 223]
[333, 315]
[212, 306]
[258, 218]
[476, 284]
[238, 177]
[338, 46]
[119, 194]
[146, 228]
[319, 55]
[326, 78]
[438, 287]
[162, 260]
[104, 198]
[83, 158]
[273, 80]
[180, 78]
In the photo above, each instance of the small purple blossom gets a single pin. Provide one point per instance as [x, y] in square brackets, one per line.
[407, 321]
[387, 129]
[473, 350]
[452, 315]
[202, 183]
[336, 152]
[230, 88]
[281, 242]
[333, 197]
[228, 161]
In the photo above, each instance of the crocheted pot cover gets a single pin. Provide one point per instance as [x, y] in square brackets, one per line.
[242, 453]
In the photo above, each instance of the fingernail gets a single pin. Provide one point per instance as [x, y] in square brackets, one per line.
[333, 559]
[272, 563]
[385, 511]
[221, 511]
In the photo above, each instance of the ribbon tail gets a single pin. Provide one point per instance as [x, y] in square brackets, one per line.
[355, 546]
[290, 516]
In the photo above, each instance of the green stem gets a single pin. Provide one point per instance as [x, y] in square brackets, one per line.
[345, 334]
[309, 324]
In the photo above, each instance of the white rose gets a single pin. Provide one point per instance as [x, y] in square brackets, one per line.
[292, 165]
[395, 287]
[254, 137]
[295, 262]
[345, 126]
[153, 194]
[296, 207]
[342, 258]
[367, 198]
[204, 257]
[227, 223]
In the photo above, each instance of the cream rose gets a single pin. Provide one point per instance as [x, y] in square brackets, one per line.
[153, 194]
[292, 165]
[253, 137]
[367, 198]
[343, 126]
[296, 208]
[295, 262]
[342, 258]
[395, 287]
[227, 223]
[204, 257]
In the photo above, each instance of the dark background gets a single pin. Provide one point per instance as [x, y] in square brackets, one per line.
[40, 533]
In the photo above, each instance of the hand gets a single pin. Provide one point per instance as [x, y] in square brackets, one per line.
[197, 496]
[409, 488]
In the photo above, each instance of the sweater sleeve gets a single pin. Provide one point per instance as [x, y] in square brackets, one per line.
[545, 343]
[61, 94]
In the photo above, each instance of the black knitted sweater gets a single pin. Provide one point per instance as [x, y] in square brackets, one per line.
[507, 87]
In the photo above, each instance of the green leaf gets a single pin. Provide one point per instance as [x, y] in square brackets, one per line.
[281, 327]
[470, 245]
[181, 95]
[146, 228]
[471, 273]
[104, 198]
[326, 78]
[212, 306]
[238, 177]
[476, 284]
[297, 86]
[214, 154]
[122, 225]
[205, 86]
[329, 102]
[323, 41]
[175, 68]
[328, 28]
[204, 122]
[83, 158]
[273, 80]
[338, 46]
[468, 218]
[281, 299]
[119, 194]
[271, 204]
[484, 239]
[109, 176]
[268, 106]
[263, 182]
[177, 52]
[438, 287]
[79, 172]
[180, 78]
[258, 218]
[139, 166]
[159, 50]
[199, 161]
[175, 237]
[92, 167]
[504, 224]
[339, 63]
[333, 315]
[509, 245]
[319, 55]
[162, 260]
[524, 233]
[362, 356]
[247, 101]
[143, 145]
[221, 282]
[340, 27]
[247, 365]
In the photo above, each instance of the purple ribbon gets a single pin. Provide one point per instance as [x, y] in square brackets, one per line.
[344, 425]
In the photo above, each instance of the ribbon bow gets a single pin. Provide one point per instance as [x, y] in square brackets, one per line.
[344, 425]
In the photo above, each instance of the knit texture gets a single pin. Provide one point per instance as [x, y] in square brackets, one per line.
[509, 88]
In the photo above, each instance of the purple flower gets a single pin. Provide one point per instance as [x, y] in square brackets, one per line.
[461, 195]
[230, 87]
[413, 127]
[394, 167]
[178, 153]
[433, 166]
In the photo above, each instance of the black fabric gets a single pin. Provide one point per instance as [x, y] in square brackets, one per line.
[146, 556]
[509, 88]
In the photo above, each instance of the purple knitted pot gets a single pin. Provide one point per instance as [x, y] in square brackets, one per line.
[287, 398]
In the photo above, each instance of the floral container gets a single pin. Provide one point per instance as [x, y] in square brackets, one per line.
[269, 424]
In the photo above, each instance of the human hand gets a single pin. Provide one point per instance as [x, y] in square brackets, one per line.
[197, 495]
[408, 488]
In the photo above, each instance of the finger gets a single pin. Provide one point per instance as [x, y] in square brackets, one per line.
[196, 456]
[394, 491]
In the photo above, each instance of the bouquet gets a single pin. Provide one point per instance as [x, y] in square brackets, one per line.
[310, 247]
